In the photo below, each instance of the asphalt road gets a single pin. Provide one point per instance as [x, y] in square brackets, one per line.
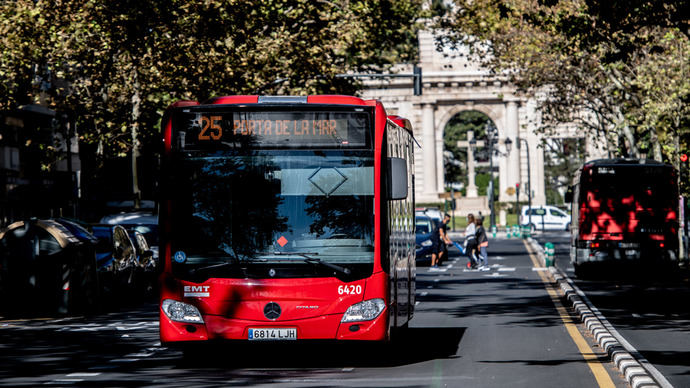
[494, 328]
[651, 313]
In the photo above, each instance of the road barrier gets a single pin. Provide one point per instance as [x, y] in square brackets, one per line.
[516, 231]
[549, 251]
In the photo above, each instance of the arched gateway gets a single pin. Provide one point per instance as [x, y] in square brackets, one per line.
[451, 86]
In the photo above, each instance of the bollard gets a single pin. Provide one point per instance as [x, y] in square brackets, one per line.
[508, 232]
[516, 231]
[549, 251]
[526, 231]
[493, 231]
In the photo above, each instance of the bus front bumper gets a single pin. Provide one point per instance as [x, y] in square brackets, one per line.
[326, 327]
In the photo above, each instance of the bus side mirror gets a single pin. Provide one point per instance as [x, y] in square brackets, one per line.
[397, 178]
[569, 195]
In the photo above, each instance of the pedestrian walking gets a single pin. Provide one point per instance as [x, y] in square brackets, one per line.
[482, 244]
[471, 241]
[436, 243]
[444, 239]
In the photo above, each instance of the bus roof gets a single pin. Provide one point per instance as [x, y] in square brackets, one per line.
[624, 162]
[313, 99]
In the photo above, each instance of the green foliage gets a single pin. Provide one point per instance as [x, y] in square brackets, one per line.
[553, 197]
[562, 158]
[455, 158]
[619, 70]
[115, 66]
[482, 181]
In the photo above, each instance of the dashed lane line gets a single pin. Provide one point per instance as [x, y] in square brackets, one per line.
[600, 374]
[84, 374]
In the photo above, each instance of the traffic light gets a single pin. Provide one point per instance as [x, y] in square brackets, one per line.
[683, 158]
[417, 80]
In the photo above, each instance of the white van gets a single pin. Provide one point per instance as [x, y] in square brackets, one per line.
[545, 218]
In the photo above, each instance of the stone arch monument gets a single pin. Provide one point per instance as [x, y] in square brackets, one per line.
[452, 85]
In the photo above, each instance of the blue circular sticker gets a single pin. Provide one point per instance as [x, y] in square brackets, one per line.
[180, 257]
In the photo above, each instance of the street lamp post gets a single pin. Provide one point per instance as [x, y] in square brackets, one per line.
[491, 140]
[529, 182]
[492, 213]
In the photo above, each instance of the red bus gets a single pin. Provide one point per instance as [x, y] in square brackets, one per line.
[624, 211]
[286, 218]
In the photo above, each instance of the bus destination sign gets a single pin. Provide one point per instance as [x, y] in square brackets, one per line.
[259, 129]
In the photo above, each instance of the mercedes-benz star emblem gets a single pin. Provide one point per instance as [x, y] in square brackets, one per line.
[272, 310]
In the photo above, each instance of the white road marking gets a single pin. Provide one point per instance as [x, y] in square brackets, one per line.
[139, 355]
[539, 269]
[56, 381]
[506, 269]
[83, 374]
[424, 293]
[348, 369]
[494, 275]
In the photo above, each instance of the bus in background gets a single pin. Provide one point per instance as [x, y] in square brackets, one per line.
[286, 218]
[625, 213]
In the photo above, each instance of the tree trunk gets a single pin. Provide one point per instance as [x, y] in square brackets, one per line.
[632, 144]
[136, 104]
[656, 147]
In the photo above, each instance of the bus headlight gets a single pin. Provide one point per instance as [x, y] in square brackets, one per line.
[364, 311]
[426, 243]
[181, 312]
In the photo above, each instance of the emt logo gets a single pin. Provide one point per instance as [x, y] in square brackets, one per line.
[198, 291]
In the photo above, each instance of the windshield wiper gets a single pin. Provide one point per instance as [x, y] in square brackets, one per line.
[279, 253]
[234, 261]
[227, 263]
[314, 260]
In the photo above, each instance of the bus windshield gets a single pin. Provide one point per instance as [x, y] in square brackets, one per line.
[233, 210]
[637, 188]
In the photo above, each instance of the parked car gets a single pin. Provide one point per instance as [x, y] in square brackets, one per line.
[138, 229]
[142, 228]
[424, 226]
[545, 218]
[125, 262]
[431, 212]
[47, 265]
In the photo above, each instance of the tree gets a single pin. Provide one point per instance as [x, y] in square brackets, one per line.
[616, 69]
[115, 66]
[562, 158]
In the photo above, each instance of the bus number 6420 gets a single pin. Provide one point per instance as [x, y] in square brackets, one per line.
[349, 290]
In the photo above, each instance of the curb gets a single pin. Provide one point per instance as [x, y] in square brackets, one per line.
[634, 372]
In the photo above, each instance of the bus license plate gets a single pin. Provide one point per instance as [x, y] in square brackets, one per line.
[272, 334]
